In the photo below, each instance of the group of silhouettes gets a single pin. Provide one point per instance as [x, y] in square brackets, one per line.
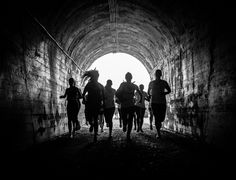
[100, 100]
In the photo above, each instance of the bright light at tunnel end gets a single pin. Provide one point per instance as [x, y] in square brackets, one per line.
[114, 66]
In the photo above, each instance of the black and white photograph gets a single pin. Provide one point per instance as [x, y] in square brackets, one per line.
[120, 89]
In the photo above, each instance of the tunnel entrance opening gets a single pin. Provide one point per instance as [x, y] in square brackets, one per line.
[114, 66]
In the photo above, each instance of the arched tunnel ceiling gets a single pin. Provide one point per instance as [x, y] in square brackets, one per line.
[89, 31]
[147, 30]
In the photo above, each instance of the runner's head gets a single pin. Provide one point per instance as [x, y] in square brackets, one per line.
[158, 73]
[141, 87]
[128, 77]
[109, 82]
[71, 82]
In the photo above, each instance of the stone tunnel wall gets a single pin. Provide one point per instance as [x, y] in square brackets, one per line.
[201, 76]
[34, 73]
[188, 75]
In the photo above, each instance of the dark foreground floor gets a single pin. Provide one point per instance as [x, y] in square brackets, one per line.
[170, 157]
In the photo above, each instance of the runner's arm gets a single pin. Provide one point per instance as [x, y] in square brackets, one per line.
[167, 87]
[140, 94]
[63, 96]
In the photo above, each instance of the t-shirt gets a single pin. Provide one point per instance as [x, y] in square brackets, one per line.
[125, 94]
[95, 94]
[157, 91]
[109, 95]
[73, 94]
[137, 99]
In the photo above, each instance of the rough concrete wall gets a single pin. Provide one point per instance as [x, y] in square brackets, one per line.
[201, 76]
[34, 73]
[188, 104]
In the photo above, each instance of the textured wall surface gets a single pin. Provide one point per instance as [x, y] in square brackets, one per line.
[190, 41]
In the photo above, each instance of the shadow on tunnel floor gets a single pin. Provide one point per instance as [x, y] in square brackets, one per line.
[172, 156]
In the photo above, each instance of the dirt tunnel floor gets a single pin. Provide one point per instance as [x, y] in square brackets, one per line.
[171, 157]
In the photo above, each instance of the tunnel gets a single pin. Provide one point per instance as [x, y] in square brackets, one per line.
[44, 43]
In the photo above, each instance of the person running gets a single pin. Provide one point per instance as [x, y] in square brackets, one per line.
[109, 105]
[140, 107]
[158, 89]
[88, 120]
[94, 100]
[125, 94]
[73, 95]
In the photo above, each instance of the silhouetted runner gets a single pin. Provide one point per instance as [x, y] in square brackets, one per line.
[109, 105]
[94, 93]
[125, 94]
[140, 107]
[158, 89]
[73, 95]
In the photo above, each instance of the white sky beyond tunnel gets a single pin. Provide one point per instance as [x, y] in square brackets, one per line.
[115, 66]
